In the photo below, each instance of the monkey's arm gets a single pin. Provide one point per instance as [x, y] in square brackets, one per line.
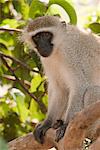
[56, 107]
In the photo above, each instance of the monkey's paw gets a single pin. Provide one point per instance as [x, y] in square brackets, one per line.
[60, 132]
[39, 133]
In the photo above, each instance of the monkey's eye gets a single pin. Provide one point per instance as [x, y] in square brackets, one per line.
[47, 36]
[43, 43]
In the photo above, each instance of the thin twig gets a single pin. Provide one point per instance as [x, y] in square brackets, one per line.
[42, 106]
[12, 78]
[19, 62]
[11, 29]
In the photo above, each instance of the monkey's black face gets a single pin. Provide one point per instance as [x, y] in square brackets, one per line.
[43, 43]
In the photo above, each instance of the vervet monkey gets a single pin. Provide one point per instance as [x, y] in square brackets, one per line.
[71, 60]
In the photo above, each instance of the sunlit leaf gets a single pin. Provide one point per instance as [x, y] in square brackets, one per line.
[55, 9]
[21, 7]
[12, 23]
[45, 99]
[35, 111]
[35, 82]
[19, 97]
[6, 39]
[67, 7]
[37, 8]
[95, 27]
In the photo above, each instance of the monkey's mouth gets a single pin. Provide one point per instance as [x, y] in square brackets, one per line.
[43, 43]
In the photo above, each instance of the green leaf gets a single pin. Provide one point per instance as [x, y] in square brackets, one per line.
[19, 97]
[55, 9]
[4, 109]
[67, 7]
[35, 111]
[13, 23]
[37, 8]
[95, 27]
[41, 87]
[35, 82]
[45, 100]
[3, 145]
[2, 1]
[6, 39]
[22, 7]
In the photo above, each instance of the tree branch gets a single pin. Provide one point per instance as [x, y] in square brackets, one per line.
[10, 29]
[28, 142]
[77, 128]
[12, 78]
[73, 138]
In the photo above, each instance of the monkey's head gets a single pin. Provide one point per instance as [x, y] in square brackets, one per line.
[43, 33]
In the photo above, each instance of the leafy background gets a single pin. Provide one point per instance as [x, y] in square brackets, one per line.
[23, 85]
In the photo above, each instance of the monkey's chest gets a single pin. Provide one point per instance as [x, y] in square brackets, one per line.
[60, 74]
[57, 70]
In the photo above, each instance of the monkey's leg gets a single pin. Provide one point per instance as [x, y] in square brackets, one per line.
[56, 107]
[75, 104]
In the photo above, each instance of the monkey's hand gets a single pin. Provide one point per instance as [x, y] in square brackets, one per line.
[40, 131]
[60, 132]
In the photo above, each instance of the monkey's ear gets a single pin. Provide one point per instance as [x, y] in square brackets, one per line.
[64, 23]
[43, 43]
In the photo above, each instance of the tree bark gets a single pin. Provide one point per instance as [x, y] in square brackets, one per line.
[29, 143]
[73, 138]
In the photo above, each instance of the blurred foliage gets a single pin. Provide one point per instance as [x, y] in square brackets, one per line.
[3, 145]
[19, 111]
[93, 22]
